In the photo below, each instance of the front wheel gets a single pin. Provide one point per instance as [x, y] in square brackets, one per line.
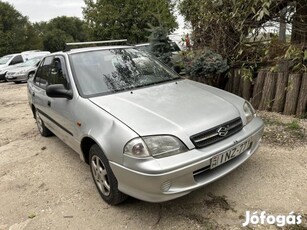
[104, 178]
[43, 130]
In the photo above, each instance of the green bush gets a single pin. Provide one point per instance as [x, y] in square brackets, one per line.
[206, 65]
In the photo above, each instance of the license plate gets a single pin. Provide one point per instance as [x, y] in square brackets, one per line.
[230, 154]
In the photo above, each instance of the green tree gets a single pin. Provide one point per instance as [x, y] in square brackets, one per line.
[117, 19]
[160, 44]
[72, 26]
[55, 40]
[13, 29]
[60, 30]
[33, 41]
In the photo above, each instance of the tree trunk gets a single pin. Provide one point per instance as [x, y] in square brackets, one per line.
[292, 94]
[280, 96]
[240, 84]
[229, 84]
[236, 82]
[299, 24]
[282, 25]
[257, 94]
[246, 89]
[269, 89]
[302, 100]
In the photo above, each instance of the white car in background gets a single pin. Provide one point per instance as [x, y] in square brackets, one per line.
[22, 72]
[9, 61]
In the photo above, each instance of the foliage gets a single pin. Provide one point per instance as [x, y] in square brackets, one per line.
[33, 41]
[235, 29]
[13, 29]
[72, 26]
[298, 58]
[207, 65]
[60, 30]
[55, 40]
[117, 19]
[160, 44]
[226, 25]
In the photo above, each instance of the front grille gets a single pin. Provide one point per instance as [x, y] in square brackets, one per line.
[217, 133]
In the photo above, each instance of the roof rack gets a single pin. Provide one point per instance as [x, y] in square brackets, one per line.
[69, 45]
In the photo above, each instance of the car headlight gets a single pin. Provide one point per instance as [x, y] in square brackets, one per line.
[21, 72]
[155, 146]
[248, 111]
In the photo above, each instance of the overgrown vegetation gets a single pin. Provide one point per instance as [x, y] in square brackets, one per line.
[205, 66]
[236, 31]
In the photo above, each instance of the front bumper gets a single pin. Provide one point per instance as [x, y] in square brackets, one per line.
[159, 180]
[15, 78]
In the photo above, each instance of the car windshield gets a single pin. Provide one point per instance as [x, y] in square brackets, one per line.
[31, 62]
[106, 71]
[5, 59]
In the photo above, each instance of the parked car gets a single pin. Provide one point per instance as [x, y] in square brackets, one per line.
[144, 131]
[23, 71]
[6, 62]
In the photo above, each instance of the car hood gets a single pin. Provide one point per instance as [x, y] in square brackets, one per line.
[22, 68]
[177, 108]
[6, 68]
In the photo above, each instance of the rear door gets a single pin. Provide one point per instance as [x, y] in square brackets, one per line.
[38, 89]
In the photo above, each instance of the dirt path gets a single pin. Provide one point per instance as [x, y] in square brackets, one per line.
[44, 184]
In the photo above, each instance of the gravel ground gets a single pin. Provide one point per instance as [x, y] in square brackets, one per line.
[44, 184]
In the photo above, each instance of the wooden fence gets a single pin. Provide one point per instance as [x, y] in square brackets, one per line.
[280, 92]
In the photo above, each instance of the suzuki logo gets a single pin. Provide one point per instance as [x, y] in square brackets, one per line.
[223, 131]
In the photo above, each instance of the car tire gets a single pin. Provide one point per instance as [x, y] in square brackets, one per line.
[43, 130]
[104, 178]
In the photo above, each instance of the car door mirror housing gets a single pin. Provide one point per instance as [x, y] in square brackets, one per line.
[59, 91]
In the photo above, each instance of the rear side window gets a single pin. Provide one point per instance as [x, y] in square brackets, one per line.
[17, 59]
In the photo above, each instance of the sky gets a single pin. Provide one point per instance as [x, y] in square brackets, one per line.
[44, 10]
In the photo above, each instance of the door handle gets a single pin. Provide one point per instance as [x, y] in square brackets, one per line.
[49, 103]
[33, 94]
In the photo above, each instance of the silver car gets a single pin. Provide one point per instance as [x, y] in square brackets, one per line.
[144, 131]
[23, 71]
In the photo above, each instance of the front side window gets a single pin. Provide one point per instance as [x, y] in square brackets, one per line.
[50, 72]
[42, 74]
[106, 71]
[58, 72]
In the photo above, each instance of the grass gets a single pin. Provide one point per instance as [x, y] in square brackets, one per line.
[294, 125]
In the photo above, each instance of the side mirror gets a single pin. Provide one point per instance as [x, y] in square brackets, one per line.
[59, 91]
